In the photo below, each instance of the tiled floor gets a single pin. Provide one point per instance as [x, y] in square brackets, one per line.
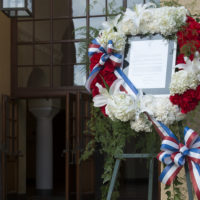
[131, 191]
[134, 191]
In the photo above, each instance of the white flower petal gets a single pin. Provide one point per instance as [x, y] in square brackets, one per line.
[115, 87]
[102, 90]
[99, 100]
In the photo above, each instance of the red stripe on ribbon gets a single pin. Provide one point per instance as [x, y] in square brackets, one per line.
[170, 139]
[94, 46]
[170, 180]
[191, 139]
[192, 176]
[196, 160]
[116, 64]
[109, 50]
[158, 156]
[155, 126]
[173, 155]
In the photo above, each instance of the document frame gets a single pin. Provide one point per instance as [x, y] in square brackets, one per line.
[166, 61]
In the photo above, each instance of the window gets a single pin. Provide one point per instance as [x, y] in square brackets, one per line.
[49, 51]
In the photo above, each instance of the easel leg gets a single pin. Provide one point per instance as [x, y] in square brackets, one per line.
[114, 177]
[150, 186]
[189, 185]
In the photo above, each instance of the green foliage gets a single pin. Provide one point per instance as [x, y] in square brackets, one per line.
[112, 137]
[190, 47]
[170, 3]
[105, 84]
[112, 9]
[196, 17]
[147, 142]
[174, 192]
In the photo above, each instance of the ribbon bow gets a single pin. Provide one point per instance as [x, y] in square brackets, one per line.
[108, 53]
[175, 154]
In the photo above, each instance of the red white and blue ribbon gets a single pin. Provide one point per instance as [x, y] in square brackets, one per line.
[175, 154]
[120, 74]
[160, 128]
[108, 53]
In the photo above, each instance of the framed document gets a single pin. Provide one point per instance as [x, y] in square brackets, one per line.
[149, 63]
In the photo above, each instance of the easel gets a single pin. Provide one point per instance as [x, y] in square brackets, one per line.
[151, 168]
[132, 156]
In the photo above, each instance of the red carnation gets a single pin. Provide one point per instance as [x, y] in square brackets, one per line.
[198, 93]
[175, 99]
[103, 111]
[180, 59]
[106, 74]
[188, 101]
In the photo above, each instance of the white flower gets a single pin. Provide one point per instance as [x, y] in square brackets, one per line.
[160, 108]
[149, 19]
[188, 77]
[111, 24]
[146, 104]
[117, 38]
[132, 19]
[119, 105]
[127, 27]
[182, 81]
[191, 66]
[141, 124]
[165, 111]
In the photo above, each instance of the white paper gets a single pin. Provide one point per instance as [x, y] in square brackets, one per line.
[148, 63]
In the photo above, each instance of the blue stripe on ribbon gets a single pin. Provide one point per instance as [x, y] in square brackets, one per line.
[186, 130]
[195, 150]
[181, 161]
[119, 56]
[94, 41]
[197, 140]
[91, 53]
[104, 57]
[164, 172]
[168, 131]
[102, 49]
[110, 42]
[186, 152]
[127, 81]
[168, 147]
[164, 157]
[96, 69]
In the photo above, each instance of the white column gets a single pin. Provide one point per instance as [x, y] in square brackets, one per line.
[44, 147]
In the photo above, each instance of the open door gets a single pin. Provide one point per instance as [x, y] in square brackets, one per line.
[9, 143]
[79, 176]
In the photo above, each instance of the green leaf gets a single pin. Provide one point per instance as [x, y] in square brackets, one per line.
[168, 193]
[177, 197]
[106, 85]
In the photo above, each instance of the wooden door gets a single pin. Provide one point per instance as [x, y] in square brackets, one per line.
[79, 176]
[9, 142]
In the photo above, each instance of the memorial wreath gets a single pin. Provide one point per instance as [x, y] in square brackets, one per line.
[108, 82]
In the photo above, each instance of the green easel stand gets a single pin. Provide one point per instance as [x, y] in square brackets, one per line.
[132, 156]
[151, 166]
